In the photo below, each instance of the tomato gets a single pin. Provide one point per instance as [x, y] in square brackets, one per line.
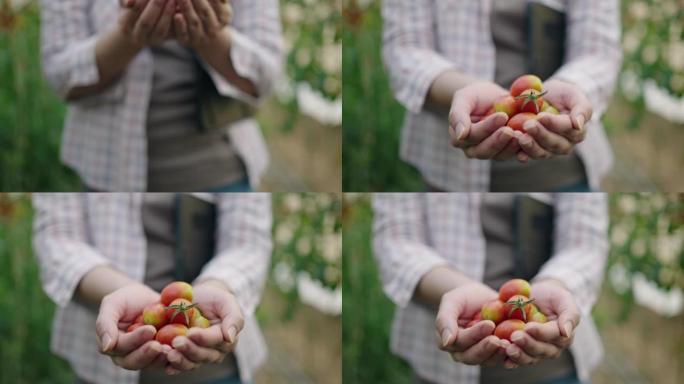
[155, 315]
[200, 321]
[525, 82]
[538, 317]
[176, 290]
[169, 332]
[506, 104]
[494, 311]
[529, 101]
[139, 319]
[518, 121]
[180, 311]
[506, 328]
[548, 108]
[134, 326]
[519, 307]
[514, 287]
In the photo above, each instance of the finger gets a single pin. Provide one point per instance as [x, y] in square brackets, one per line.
[208, 16]
[181, 28]
[195, 353]
[499, 356]
[492, 145]
[161, 30]
[533, 347]
[531, 148]
[522, 156]
[568, 319]
[160, 362]
[130, 341]
[232, 320]
[148, 19]
[179, 362]
[131, 14]
[561, 125]
[195, 29]
[211, 337]
[518, 356]
[468, 337]
[106, 325]
[547, 332]
[581, 113]
[548, 140]
[446, 321]
[509, 151]
[462, 107]
[127, 3]
[141, 357]
[479, 352]
[482, 130]
[223, 11]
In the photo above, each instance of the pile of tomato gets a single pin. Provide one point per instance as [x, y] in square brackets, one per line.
[173, 315]
[511, 310]
[524, 102]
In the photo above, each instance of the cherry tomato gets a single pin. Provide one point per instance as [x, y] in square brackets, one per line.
[507, 327]
[176, 290]
[525, 82]
[518, 121]
[169, 332]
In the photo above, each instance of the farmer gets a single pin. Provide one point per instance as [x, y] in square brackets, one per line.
[161, 93]
[442, 256]
[105, 257]
[449, 61]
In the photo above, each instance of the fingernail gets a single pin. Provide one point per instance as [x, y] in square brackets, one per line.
[530, 126]
[178, 342]
[459, 130]
[446, 336]
[568, 329]
[232, 332]
[106, 343]
[517, 336]
[580, 122]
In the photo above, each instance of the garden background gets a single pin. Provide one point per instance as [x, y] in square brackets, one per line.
[645, 121]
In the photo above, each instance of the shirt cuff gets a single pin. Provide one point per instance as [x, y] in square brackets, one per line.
[413, 96]
[81, 259]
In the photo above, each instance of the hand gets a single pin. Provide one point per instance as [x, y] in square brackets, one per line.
[474, 345]
[480, 136]
[137, 349]
[147, 22]
[209, 345]
[558, 134]
[546, 341]
[200, 21]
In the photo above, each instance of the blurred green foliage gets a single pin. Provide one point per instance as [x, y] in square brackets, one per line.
[367, 312]
[31, 115]
[371, 117]
[27, 315]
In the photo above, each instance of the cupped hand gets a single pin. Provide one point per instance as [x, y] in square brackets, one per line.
[130, 350]
[208, 345]
[147, 22]
[558, 134]
[199, 22]
[481, 136]
[477, 344]
[546, 340]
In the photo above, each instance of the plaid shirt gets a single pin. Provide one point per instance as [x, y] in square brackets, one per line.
[423, 38]
[414, 233]
[74, 233]
[105, 138]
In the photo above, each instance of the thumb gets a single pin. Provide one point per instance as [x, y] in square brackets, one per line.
[106, 325]
[459, 116]
[581, 113]
[232, 320]
[447, 323]
[568, 317]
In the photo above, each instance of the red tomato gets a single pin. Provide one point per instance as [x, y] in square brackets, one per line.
[134, 326]
[169, 332]
[548, 108]
[199, 321]
[507, 327]
[519, 307]
[506, 104]
[514, 287]
[180, 311]
[518, 121]
[155, 315]
[530, 101]
[494, 311]
[176, 290]
[525, 82]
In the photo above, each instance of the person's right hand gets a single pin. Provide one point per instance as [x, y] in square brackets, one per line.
[135, 350]
[475, 345]
[481, 136]
[147, 22]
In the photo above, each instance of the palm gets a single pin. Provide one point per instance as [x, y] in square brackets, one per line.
[134, 298]
[561, 95]
[469, 300]
[210, 300]
[547, 299]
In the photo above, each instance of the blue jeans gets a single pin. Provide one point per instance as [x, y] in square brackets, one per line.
[582, 186]
[240, 186]
[571, 379]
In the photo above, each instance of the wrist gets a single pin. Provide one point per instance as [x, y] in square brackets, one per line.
[213, 44]
[215, 283]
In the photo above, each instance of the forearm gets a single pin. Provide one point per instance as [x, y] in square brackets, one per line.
[442, 90]
[217, 54]
[99, 282]
[438, 281]
[113, 53]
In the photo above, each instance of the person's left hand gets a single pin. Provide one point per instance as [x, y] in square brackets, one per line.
[556, 134]
[545, 340]
[208, 345]
[199, 22]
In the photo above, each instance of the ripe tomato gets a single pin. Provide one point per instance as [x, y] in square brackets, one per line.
[169, 332]
[139, 319]
[155, 315]
[494, 311]
[530, 101]
[519, 307]
[514, 287]
[506, 328]
[180, 311]
[518, 121]
[548, 108]
[200, 321]
[134, 326]
[176, 290]
[538, 317]
[525, 82]
[506, 104]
